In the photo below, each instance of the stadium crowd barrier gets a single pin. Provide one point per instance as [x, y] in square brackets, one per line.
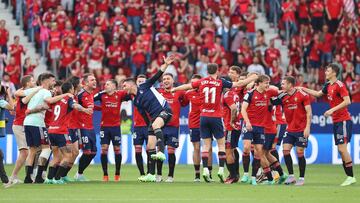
[321, 148]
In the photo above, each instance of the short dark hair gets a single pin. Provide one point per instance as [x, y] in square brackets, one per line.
[237, 69]
[58, 83]
[290, 79]
[86, 76]
[74, 80]
[141, 76]
[334, 67]
[25, 80]
[212, 68]
[66, 87]
[46, 76]
[113, 82]
[169, 74]
[196, 76]
[244, 74]
[262, 78]
[129, 80]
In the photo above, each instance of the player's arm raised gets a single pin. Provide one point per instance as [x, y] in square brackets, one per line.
[37, 109]
[312, 92]
[167, 61]
[183, 87]
[80, 108]
[53, 100]
[26, 99]
[246, 81]
[346, 102]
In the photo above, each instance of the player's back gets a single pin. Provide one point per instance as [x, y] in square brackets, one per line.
[150, 100]
[61, 116]
[211, 94]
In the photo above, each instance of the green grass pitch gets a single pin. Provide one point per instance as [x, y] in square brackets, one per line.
[322, 185]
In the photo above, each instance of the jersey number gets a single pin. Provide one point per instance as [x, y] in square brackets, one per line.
[210, 92]
[57, 110]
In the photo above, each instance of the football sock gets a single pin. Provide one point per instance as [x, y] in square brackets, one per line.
[159, 165]
[139, 162]
[222, 158]
[151, 161]
[61, 172]
[40, 171]
[197, 171]
[275, 153]
[277, 167]
[349, 169]
[52, 172]
[302, 166]
[29, 170]
[118, 158]
[255, 166]
[268, 174]
[104, 164]
[205, 158]
[236, 164]
[172, 161]
[288, 162]
[84, 162]
[232, 170]
[246, 162]
[160, 139]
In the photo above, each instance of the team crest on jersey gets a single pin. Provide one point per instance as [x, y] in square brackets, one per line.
[296, 99]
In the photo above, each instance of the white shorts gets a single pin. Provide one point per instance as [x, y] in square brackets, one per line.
[68, 4]
[94, 65]
[19, 133]
[55, 54]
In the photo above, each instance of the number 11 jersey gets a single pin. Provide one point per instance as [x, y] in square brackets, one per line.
[210, 90]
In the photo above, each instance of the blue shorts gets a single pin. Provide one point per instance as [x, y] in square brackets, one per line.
[269, 141]
[35, 136]
[140, 135]
[342, 132]
[314, 64]
[59, 140]
[195, 135]
[88, 140]
[295, 139]
[281, 129]
[112, 134]
[171, 136]
[232, 139]
[256, 136]
[74, 135]
[210, 127]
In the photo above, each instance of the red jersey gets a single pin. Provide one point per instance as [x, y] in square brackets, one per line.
[175, 100]
[195, 102]
[230, 98]
[116, 52]
[61, 116]
[294, 109]
[86, 100]
[17, 54]
[271, 54]
[97, 53]
[15, 76]
[279, 115]
[4, 36]
[55, 40]
[211, 94]
[138, 119]
[68, 55]
[74, 121]
[48, 116]
[317, 9]
[334, 7]
[258, 105]
[19, 112]
[335, 93]
[110, 107]
[270, 127]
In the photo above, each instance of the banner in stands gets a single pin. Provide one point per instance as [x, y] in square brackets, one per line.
[321, 149]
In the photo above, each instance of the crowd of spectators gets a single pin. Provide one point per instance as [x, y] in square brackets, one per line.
[123, 38]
